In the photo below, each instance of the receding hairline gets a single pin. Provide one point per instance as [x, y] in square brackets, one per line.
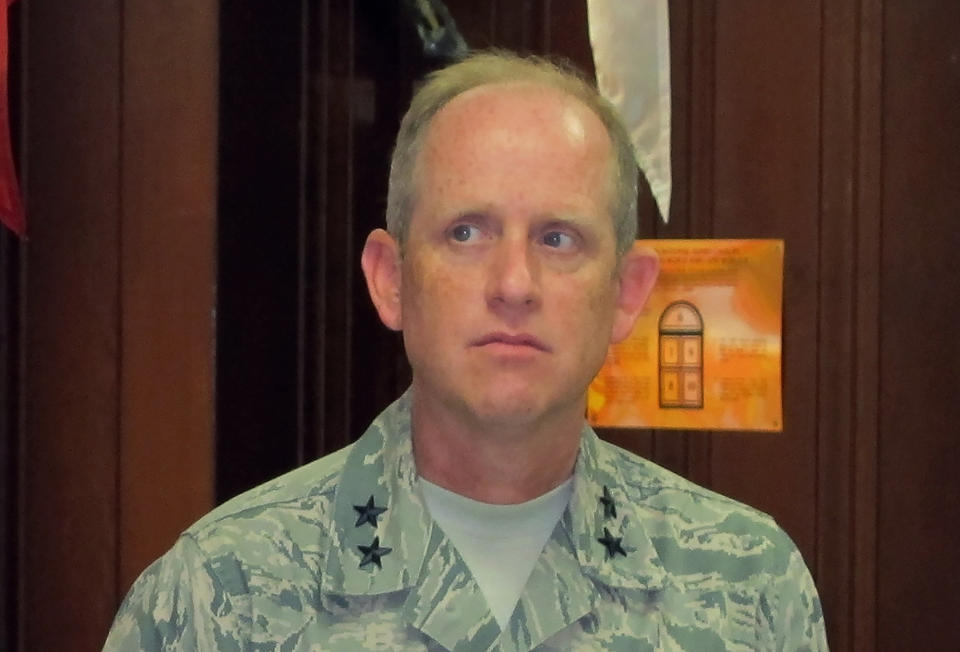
[584, 113]
[495, 68]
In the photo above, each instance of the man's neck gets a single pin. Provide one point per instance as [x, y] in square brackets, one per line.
[494, 463]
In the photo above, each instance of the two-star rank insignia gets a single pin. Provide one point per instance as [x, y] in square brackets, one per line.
[373, 553]
[609, 506]
[368, 514]
[612, 544]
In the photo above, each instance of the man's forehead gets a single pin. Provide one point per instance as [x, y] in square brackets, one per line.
[497, 114]
[521, 97]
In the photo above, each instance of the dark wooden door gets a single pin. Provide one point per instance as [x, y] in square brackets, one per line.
[189, 319]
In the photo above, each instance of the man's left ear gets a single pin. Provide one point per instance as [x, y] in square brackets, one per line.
[638, 273]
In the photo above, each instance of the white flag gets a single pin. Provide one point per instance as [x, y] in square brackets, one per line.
[631, 51]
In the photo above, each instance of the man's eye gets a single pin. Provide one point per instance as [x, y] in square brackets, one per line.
[558, 240]
[465, 232]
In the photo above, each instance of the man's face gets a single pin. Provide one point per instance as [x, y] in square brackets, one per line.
[509, 281]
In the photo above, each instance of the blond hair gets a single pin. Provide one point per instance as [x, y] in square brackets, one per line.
[495, 67]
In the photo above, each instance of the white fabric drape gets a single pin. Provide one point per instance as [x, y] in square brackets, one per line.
[631, 51]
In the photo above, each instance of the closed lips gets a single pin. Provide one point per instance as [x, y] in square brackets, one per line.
[514, 340]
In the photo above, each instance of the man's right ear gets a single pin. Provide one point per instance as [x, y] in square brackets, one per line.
[380, 261]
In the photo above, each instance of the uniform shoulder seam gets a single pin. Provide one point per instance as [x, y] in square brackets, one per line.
[275, 493]
[652, 475]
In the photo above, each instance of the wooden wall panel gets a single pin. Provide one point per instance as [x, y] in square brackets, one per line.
[836, 316]
[861, 616]
[830, 123]
[167, 258]
[350, 102]
[476, 21]
[380, 91]
[72, 385]
[115, 455]
[766, 161]
[919, 492]
[338, 237]
[258, 238]
[566, 31]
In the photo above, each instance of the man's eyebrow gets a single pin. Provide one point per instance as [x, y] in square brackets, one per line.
[482, 212]
[480, 215]
[575, 220]
[486, 214]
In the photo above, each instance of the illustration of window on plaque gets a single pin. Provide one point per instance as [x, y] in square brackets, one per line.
[704, 353]
[681, 356]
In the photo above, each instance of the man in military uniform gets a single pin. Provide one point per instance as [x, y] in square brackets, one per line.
[479, 512]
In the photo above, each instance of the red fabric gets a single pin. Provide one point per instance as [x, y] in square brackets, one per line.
[11, 210]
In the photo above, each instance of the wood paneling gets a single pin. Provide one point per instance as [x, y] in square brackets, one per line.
[830, 123]
[338, 217]
[860, 618]
[116, 450]
[168, 217]
[836, 316]
[766, 137]
[363, 62]
[258, 235]
[72, 384]
[919, 354]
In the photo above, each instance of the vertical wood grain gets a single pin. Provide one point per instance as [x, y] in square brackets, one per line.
[72, 314]
[919, 491]
[868, 206]
[168, 140]
[766, 176]
[336, 214]
[387, 59]
[836, 315]
[258, 231]
[116, 455]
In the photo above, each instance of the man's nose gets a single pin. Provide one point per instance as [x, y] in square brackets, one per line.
[514, 276]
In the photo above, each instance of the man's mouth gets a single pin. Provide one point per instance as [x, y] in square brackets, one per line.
[512, 339]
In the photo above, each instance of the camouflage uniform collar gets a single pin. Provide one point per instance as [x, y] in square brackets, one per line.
[562, 587]
[379, 466]
[421, 560]
[575, 567]
[600, 508]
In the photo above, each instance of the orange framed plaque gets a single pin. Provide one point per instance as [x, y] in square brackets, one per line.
[705, 352]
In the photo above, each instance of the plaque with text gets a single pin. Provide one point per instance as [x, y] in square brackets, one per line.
[705, 352]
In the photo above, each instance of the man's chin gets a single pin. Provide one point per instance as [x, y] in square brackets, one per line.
[505, 415]
[500, 403]
[509, 410]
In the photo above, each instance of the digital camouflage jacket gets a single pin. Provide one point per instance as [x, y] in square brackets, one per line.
[342, 555]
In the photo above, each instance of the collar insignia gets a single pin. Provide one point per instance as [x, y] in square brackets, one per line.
[609, 506]
[368, 513]
[612, 544]
[373, 553]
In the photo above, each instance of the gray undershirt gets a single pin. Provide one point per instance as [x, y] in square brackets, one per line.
[499, 543]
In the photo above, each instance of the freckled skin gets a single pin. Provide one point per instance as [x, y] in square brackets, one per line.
[523, 170]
